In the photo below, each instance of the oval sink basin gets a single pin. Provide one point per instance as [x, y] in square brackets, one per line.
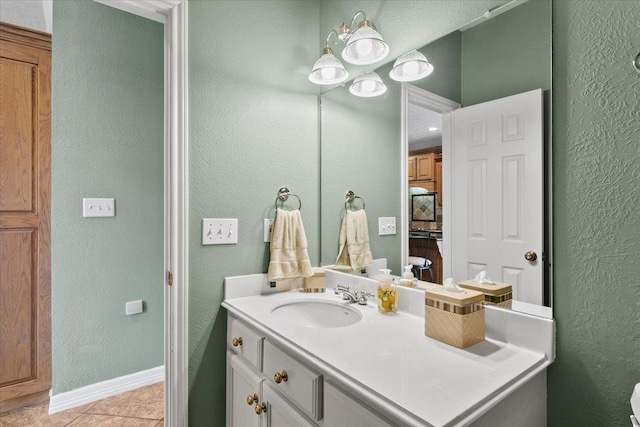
[316, 314]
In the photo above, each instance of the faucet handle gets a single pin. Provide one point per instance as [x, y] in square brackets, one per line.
[362, 296]
[341, 288]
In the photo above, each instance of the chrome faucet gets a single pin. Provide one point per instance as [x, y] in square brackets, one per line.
[357, 296]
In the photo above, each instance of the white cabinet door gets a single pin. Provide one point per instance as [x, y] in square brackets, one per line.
[342, 410]
[280, 413]
[497, 193]
[242, 382]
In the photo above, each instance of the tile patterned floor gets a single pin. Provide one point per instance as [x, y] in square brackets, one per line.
[143, 407]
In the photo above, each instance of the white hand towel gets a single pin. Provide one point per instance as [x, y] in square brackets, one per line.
[289, 257]
[354, 241]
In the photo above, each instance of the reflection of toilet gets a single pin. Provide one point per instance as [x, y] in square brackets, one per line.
[635, 406]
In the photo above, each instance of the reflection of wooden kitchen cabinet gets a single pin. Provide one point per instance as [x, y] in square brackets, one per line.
[438, 179]
[425, 165]
[412, 168]
[421, 167]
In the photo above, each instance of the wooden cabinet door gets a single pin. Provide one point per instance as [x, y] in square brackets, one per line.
[425, 167]
[412, 169]
[25, 166]
[243, 383]
[438, 179]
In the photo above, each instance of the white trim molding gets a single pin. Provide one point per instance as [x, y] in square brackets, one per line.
[414, 95]
[94, 392]
[174, 15]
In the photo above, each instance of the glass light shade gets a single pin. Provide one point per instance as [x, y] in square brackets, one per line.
[328, 70]
[368, 85]
[410, 67]
[365, 46]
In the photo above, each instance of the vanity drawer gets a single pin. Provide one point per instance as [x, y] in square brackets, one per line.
[245, 342]
[296, 381]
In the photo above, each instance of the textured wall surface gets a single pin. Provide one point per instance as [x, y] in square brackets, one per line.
[254, 129]
[107, 141]
[596, 165]
[508, 54]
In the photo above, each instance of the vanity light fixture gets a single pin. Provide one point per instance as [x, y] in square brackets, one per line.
[328, 70]
[368, 85]
[364, 45]
[410, 67]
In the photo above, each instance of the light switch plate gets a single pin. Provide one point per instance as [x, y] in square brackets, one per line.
[133, 307]
[98, 207]
[268, 223]
[219, 231]
[386, 225]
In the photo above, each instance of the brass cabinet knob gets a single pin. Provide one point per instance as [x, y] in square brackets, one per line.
[260, 408]
[251, 399]
[236, 341]
[531, 256]
[281, 376]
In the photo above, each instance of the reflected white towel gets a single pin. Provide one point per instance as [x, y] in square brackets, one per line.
[354, 241]
[289, 257]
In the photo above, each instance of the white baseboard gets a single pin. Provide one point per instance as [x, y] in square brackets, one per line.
[94, 392]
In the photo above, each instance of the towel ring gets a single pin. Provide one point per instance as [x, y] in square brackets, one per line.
[283, 195]
[350, 198]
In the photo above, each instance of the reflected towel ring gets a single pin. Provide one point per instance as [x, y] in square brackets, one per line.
[350, 198]
[636, 63]
[283, 195]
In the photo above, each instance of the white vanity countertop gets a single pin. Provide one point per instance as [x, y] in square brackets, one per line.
[389, 357]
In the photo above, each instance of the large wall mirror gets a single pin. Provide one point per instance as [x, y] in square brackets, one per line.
[400, 153]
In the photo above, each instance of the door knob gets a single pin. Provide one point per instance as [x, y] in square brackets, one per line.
[236, 341]
[531, 256]
[251, 399]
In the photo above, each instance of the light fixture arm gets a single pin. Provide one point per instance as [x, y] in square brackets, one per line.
[345, 31]
[353, 20]
[329, 37]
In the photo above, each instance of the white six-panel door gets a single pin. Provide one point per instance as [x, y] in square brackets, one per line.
[497, 192]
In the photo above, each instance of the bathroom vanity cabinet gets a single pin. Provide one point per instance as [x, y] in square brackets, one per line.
[304, 369]
[268, 387]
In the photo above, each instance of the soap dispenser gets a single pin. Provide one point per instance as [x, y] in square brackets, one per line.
[387, 293]
[407, 278]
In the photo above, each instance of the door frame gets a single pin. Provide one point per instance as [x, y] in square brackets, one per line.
[174, 15]
[441, 105]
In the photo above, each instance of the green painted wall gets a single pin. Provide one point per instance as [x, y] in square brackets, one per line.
[446, 55]
[508, 54]
[254, 129]
[596, 167]
[107, 138]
